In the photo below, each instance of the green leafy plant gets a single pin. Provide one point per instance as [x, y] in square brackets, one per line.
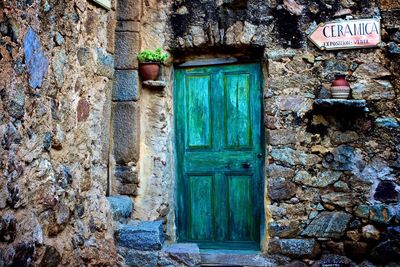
[156, 56]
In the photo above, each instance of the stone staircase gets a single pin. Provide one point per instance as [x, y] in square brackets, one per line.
[141, 243]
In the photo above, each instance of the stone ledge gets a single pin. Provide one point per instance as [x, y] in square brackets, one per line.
[155, 84]
[338, 105]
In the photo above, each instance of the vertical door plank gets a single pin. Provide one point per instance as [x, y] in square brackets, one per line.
[198, 102]
[240, 208]
[237, 110]
[201, 207]
[181, 192]
[221, 207]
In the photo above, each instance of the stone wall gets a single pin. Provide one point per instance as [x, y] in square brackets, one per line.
[57, 65]
[331, 178]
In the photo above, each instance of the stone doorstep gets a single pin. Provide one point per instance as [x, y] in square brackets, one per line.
[185, 253]
[234, 258]
[189, 254]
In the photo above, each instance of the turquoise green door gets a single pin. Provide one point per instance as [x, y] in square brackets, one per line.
[219, 155]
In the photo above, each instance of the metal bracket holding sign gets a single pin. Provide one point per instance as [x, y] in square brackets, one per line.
[104, 3]
[347, 34]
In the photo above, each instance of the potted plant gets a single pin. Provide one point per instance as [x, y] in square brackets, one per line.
[150, 61]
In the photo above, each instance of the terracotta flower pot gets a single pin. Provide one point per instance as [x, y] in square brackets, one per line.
[149, 71]
[340, 88]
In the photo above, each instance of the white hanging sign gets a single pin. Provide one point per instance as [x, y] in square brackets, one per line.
[104, 3]
[347, 34]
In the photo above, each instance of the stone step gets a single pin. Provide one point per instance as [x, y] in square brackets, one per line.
[234, 258]
[177, 255]
[189, 255]
[185, 254]
[121, 207]
[140, 235]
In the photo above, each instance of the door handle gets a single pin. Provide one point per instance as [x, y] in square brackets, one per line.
[246, 165]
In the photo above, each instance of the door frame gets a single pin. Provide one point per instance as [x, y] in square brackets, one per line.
[178, 164]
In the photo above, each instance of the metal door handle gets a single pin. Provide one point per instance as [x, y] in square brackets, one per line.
[246, 165]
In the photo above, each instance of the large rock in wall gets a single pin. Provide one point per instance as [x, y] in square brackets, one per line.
[56, 74]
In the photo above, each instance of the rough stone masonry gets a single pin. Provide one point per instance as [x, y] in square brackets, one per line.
[76, 125]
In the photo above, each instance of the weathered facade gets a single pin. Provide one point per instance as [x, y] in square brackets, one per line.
[77, 125]
[56, 81]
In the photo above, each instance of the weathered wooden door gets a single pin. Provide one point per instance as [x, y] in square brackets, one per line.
[219, 155]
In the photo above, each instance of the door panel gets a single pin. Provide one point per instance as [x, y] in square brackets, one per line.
[241, 226]
[199, 115]
[220, 207]
[237, 110]
[201, 207]
[218, 147]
